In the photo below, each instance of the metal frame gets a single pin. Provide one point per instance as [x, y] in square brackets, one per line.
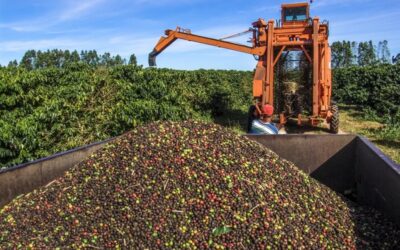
[309, 37]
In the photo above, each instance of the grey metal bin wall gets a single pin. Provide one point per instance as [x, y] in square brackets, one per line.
[342, 162]
[27, 177]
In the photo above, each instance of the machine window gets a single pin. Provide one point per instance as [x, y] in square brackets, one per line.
[296, 14]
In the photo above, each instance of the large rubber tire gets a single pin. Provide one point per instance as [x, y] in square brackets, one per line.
[251, 117]
[334, 123]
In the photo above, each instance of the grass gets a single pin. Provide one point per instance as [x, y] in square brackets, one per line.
[386, 138]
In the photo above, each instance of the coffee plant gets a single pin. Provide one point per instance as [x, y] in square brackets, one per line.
[51, 109]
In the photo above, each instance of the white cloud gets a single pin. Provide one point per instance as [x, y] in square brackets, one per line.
[42, 44]
[125, 45]
[26, 26]
[78, 9]
[142, 45]
[367, 20]
[67, 11]
[117, 45]
[163, 1]
[262, 9]
[326, 3]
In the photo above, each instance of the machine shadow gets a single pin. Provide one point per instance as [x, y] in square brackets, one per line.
[388, 143]
[363, 217]
[234, 118]
[292, 128]
[339, 174]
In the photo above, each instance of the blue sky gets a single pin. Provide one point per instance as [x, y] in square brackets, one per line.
[134, 26]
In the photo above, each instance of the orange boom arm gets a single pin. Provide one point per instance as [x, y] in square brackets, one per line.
[172, 35]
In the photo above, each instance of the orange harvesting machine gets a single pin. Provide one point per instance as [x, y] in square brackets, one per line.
[296, 31]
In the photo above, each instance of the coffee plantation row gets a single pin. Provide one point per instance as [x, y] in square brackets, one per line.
[48, 110]
[376, 87]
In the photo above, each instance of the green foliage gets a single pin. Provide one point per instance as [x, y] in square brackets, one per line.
[63, 58]
[221, 230]
[383, 52]
[48, 110]
[390, 133]
[13, 64]
[28, 60]
[366, 54]
[342, 54]
[347, 53]
[396, 59]
[132, 60]
[376, 87]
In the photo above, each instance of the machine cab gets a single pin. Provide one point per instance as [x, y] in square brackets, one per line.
[296, 14]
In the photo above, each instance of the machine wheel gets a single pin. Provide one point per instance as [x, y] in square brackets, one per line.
[334, 123]
[251, 117]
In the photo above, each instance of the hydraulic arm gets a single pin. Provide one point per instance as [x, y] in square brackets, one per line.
[173, 35]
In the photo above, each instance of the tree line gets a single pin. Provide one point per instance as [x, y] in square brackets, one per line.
[350, 53]
[58, 58]
[344, 54]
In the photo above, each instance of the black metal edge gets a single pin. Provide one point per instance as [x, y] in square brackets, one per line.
[390, 162]
[302, 135]
[393, 165]
[23, 165]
